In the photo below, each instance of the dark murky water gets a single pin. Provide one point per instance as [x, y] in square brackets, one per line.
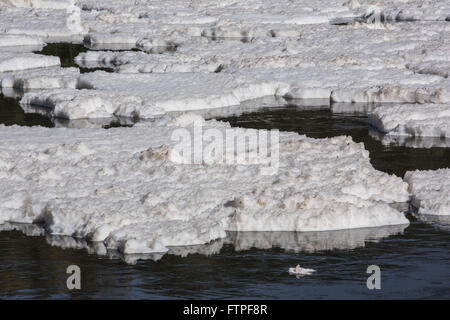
[414, 264]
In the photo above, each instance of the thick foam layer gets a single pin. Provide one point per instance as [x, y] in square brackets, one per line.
[147, 95]
[10, 61]
[42, 78]
[430, 191]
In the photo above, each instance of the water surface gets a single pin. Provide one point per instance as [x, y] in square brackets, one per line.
[414, 264]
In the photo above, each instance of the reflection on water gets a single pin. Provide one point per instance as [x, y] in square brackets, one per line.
[311, 241]
[30, 230]
[414, 264]
[289, 241]
[248, 106]
[129, 47]
[67, 53]
[13, 113]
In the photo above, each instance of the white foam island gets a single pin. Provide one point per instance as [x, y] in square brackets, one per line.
[430, 191]
[11, 40]
[420, 120]
[290, 241]
[13, 61]
[125, 187]
[147, 95]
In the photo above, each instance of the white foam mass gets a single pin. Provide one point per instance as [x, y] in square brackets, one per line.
[430, 191]
[257, 48]
[299, 271]
[120, 187]
[420, 120]
[117, 187]
[10, 61]
[46, 4]
[10, 40]
[42, 78]
[50, 20]
[310, 242]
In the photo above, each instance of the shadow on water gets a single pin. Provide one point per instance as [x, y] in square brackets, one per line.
[392, 158]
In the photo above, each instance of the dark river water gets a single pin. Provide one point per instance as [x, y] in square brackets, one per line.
[414, 260]
[414, 264]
